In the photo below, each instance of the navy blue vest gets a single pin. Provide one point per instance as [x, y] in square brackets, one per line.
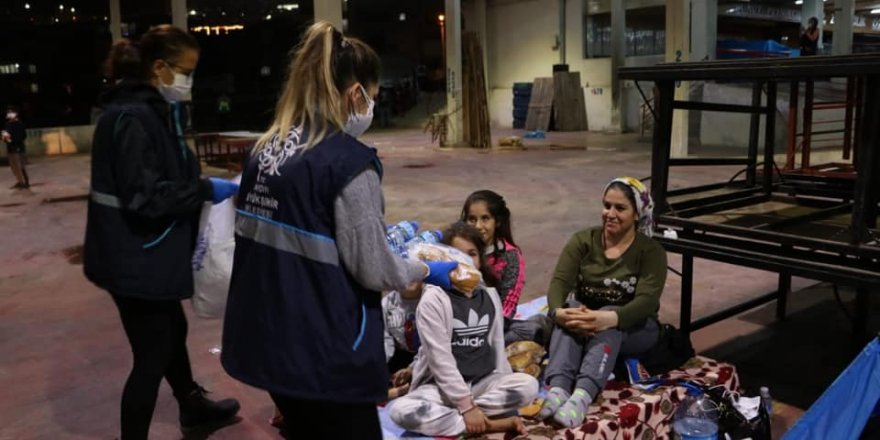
[296, 323]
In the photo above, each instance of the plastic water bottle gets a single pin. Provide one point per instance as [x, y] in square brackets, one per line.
[696, 417]
[401, 233]
[766, 400]
[428, 237]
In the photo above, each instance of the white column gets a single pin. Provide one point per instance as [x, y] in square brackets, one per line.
[179, 14]
[843, 27]
[330, 11]
[115, 20]
[574, 29]
[703, 41]
[704, 29]
[813, 8]
[455, 136]
[678, 50]
[618, 58]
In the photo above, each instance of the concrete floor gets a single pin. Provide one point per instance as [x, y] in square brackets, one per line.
[64, 357]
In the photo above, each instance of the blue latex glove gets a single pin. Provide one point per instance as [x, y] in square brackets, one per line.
[439, 273]
[223, 189]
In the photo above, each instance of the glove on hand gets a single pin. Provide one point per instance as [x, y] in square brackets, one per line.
[223, 189]
[438, 274]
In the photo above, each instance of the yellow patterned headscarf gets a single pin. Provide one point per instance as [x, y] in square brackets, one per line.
[644, 203]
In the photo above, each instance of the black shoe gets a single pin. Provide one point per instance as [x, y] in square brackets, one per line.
[197, 412]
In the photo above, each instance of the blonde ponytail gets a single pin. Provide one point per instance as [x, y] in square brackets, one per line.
[323, 65]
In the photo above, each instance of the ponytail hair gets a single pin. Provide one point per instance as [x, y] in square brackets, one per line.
[134, 59]
[124, 61]
[323, 65]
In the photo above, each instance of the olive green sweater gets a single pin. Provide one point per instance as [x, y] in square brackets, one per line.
[634, 281]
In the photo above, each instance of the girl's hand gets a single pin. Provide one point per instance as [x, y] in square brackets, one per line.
[401, 377]
[396, 392]
[475, 421]
[412, 291]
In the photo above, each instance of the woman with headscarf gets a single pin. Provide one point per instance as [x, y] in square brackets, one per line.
[604, 298]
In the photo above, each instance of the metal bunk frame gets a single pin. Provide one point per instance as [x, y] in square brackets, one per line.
[853, 261]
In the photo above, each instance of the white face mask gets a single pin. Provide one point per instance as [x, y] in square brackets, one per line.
[179, 90]
[11, 115]
[357, 124]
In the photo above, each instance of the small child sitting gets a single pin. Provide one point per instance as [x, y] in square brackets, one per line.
[401, 337]
[461, 376]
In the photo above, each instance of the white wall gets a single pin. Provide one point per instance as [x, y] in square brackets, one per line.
[721, 129]
[521, 35]
[634, 100]
[520, 40]
[520, 43]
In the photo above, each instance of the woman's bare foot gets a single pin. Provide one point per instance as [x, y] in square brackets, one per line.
[507, 424]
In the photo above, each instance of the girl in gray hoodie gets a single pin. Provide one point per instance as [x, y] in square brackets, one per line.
[462, 382]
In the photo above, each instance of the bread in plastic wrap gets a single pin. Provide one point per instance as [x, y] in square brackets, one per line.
[465, 278]
[525, 357]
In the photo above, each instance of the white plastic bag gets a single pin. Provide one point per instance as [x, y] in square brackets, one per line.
[212, 259]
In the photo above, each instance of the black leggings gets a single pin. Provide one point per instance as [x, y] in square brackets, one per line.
[156, 331]
[310, 419]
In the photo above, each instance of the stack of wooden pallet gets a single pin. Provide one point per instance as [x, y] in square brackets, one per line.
[475, 105]
[557, 103]
[569, 108]
[541, 105]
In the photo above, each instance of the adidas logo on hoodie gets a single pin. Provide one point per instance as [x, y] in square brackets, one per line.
[470, 334]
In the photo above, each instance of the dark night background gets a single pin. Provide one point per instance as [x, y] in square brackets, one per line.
[51, 64]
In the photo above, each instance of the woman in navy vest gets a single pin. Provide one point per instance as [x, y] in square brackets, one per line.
[303, 317]
[143, 213]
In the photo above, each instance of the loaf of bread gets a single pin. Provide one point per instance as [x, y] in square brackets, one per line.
[465, 278]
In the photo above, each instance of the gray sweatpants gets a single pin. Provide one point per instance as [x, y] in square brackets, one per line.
[579, 362]
[425, 410]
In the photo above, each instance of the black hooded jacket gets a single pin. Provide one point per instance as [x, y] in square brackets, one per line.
[146, 196]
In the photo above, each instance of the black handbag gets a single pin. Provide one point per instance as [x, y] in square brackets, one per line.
[732, 424]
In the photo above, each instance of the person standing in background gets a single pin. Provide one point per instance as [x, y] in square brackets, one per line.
[810, 38]
[14, 134]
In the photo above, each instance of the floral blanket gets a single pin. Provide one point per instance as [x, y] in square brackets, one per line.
[626, 413]
[623, 412]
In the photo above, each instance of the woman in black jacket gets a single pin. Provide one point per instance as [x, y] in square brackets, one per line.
[146, 195]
